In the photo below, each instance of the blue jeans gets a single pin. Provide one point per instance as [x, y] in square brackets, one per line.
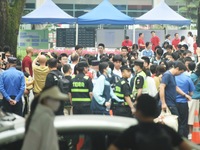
[183, 128]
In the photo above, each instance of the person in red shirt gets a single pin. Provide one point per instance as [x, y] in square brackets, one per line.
[195, 44]
[27, 62]
[154, 40]
[128, 43]
[141, 43]
[175, 41]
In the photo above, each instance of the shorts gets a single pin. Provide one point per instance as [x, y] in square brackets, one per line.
[193, 105]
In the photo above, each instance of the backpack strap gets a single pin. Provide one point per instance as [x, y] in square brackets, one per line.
[56, 75]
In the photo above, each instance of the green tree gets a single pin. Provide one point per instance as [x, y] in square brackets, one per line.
[188, 8]
[10, 16]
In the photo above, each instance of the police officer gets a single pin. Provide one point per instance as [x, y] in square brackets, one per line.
[123, 91]
[140, 83]
[81, 90]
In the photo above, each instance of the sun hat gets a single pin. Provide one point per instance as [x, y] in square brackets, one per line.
[54, 93]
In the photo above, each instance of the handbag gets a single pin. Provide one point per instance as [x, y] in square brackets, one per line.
[168, 119]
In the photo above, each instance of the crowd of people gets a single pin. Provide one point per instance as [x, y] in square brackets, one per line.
[108, 83]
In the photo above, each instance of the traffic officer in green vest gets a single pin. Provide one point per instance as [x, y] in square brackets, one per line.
[123, 92]
[140, 83]
[81, 90]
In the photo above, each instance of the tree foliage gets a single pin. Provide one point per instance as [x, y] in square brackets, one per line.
[188, 8]
[10, 16]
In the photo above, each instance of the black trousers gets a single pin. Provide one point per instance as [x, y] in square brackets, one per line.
[183, 128]
[120, 110]
[81, 108]
[17, 109]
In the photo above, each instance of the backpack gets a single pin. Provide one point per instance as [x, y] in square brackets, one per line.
[151, 86]
[62, 83]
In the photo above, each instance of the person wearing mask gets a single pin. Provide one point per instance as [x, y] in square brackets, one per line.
[102, 92]
[40, 133]
[147, 135]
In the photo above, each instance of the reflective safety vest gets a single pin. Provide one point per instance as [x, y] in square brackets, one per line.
[144, 88]
[79, 89]
[118, 90]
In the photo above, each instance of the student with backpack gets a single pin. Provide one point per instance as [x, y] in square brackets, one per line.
[52, 79]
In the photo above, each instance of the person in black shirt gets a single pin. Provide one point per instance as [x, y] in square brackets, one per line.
[148, 135]
[52, 79]
[81, 90]
[67, 70]
[123, 92]
[146, 65]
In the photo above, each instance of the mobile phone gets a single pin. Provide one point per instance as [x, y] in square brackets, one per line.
[43, 53]
[3, 56]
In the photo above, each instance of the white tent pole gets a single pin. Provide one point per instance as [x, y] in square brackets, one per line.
[133, 33]
[76, 34]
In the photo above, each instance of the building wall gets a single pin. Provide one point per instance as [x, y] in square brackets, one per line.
[76, 8]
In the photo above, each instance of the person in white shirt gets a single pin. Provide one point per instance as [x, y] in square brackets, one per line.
[117, 61]
[168, 39]
[183, 40]
[101, 49]
[74, 60]
[190, 42]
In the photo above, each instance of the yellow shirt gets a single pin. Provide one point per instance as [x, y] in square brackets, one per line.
[39, 74]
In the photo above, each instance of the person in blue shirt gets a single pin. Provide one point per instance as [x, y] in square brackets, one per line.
[12, 86]
[168, 88]
[102, 92]
[187, 86]
[194, 104]
[148, 52]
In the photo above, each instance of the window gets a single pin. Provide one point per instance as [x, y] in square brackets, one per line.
[65, 6]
